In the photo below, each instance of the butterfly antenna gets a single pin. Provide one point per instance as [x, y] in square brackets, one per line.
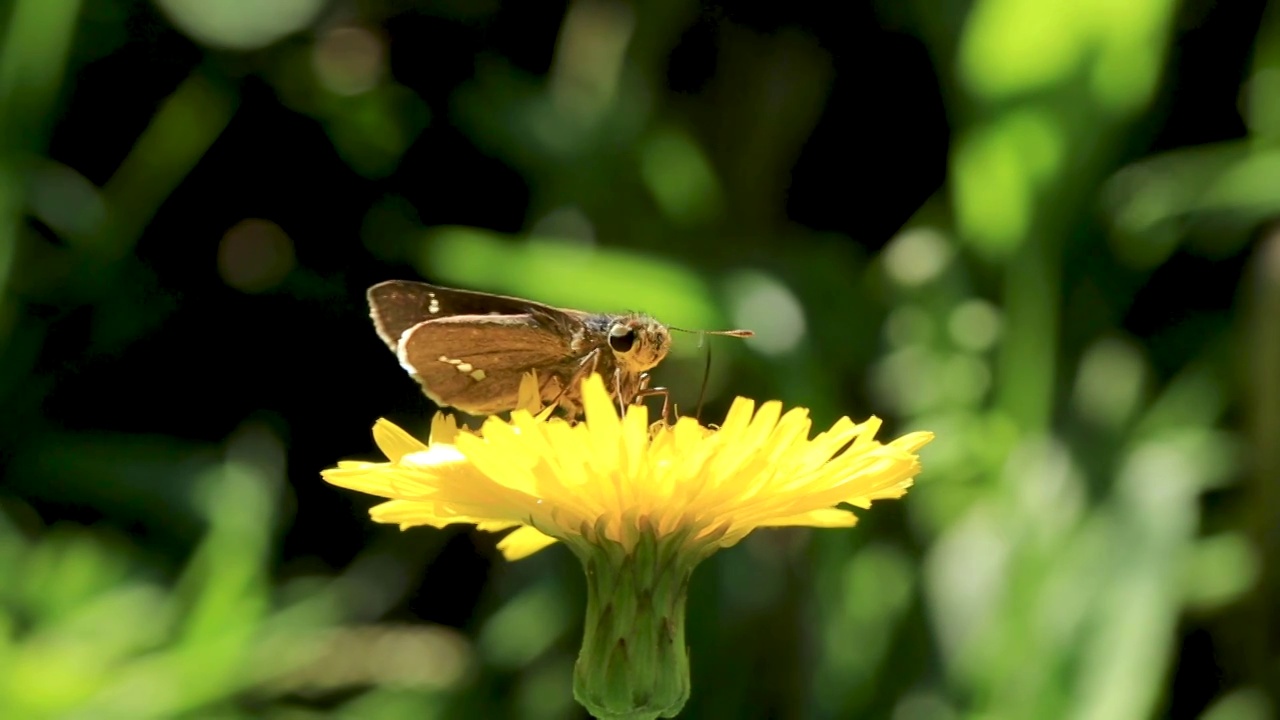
[706, 378]
[728, 333]
[706, 375]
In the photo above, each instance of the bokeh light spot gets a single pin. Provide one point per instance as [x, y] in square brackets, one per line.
[255, 255]
[917, 256]
[1109, 383]
[966, 379]
[569, 223]
[348, 60]
[908, 325]
[909, 380]
[240, 24]
[974, 325]
[768, 307]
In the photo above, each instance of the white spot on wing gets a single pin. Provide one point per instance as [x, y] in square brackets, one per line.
[478, 375]
[464, 367]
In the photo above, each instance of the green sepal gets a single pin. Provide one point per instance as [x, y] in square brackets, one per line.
[634, 663]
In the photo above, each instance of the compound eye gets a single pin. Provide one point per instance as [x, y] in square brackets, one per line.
[622, 338]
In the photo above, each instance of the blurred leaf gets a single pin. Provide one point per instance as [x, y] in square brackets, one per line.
[1220, 570]
[1243, 704]
[524, 628]
[181, 131]
[33, 54]
[372, 130]
[680, 177]
[569, 274]
[1000, 170]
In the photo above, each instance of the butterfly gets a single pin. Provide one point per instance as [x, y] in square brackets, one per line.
[469, 350]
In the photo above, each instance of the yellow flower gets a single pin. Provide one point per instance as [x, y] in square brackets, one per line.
[612, 478]
[639, 506]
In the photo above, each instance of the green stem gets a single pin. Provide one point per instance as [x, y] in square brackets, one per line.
[634, 663]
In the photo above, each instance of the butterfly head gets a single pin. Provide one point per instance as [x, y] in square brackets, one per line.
[638, 342]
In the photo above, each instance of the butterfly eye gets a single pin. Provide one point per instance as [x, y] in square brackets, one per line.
[621, 338]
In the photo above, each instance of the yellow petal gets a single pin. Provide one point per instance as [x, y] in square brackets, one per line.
[602, 418]
[393, 441]
[495, 525]
[867, 430]
[374, 481]
[408, 513]
[824, 518]
[763, 424]
[912, 442]
[444, 428]
[433, 457]
[737, 419]
[498, 455]
[635, 439]
[524, 542]
[529, 395]
[359, 465]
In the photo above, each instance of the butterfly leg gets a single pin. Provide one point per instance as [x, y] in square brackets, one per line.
[644, 391]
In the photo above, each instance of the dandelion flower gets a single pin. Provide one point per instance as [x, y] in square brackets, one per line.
[639, 506]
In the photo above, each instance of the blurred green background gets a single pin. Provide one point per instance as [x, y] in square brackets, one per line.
[1043, 230]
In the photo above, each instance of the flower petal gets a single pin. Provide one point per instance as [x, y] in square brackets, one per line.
[824, 518]
[620, 479]
[395, 442]
[408, 513]
[375, 479]
[523, 542]
[737, 419]
[444, 428]
[529, 395]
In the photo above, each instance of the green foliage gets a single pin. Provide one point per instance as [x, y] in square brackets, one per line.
[1066, 527]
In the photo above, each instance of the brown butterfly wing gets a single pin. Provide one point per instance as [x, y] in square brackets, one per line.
[397, 305]
[475, 362]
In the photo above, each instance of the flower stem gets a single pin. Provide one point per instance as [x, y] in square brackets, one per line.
[634, 663]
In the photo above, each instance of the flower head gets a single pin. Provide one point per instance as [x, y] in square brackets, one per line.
[614, 478]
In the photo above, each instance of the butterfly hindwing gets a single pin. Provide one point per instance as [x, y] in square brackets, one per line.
[475, 362]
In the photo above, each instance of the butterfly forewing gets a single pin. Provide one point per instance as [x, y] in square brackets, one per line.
[397, 305]
[475, 362]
